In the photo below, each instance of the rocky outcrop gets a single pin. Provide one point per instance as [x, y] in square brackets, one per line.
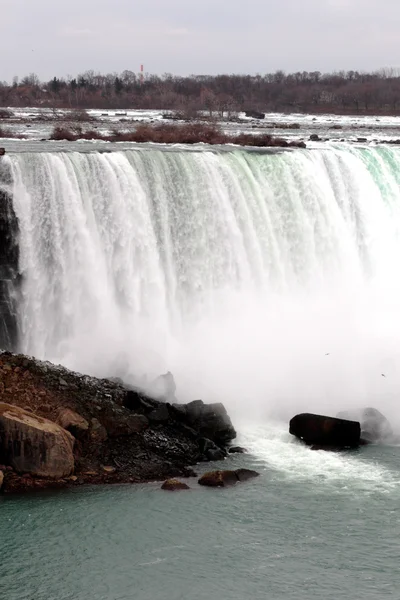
[325, 431]
[137, 437]
[31, 444]
[375, 428]
[246, 474]
[210, 450]
[226, 478]
[210, 420]
[173, 485]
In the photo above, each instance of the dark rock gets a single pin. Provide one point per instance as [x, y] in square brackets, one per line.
[159, 415]
[254, 114]
[362, 140]
[314, 137]
[215, 454]
[2, 151]
[211, 421]
[178, 411]
[295, 144]
[218, 478]
[236, 450]
[325, 431]
[173, 485]
[210, 450]
[98, 432]
[246, 474]
[120, 422]
[135, 400]
[375, 428]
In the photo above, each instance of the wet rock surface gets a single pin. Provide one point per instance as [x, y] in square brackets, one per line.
[139, 438]
[226, 478]
[173, 485]
[320, 430]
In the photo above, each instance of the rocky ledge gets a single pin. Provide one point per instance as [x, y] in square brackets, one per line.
[59, 428]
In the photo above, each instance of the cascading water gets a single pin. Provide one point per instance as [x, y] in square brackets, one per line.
[9, 255]
[260, 279]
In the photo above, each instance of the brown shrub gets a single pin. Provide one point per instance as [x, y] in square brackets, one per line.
[166, 133]
[62, 133]
[5, 114]
[7, 133]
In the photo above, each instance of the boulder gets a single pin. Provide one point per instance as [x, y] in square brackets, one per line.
[209, 450]
[119, 422]
[173, 485]
[159, 415]
[237, 450]
[98, 433]
[73, 422]
[254, 114]
[314, 137]
[211, 421]
[2, 151]
[375, 428]
[226, 478]
[325, 431]
[31, 444]
[246, 474]
[218, 479]
[136, 401]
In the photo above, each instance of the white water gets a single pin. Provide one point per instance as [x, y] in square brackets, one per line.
[237, 271]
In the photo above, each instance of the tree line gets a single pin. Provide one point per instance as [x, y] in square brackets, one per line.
[339, 92]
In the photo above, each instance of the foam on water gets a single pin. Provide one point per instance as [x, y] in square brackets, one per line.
[276, 451]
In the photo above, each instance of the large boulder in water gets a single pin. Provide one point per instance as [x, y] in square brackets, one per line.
[173, 485]
[325, 431]
[31, 444]
[226, 478]
[375, 428]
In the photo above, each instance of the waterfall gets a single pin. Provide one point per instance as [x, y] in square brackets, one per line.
[9, 258]
[258, 276]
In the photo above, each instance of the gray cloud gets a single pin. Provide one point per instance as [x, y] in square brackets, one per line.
[182, 36]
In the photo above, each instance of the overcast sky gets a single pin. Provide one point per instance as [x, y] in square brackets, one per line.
[60, 37]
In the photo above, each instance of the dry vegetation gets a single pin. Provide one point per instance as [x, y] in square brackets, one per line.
[7, 133]
[188, 133]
